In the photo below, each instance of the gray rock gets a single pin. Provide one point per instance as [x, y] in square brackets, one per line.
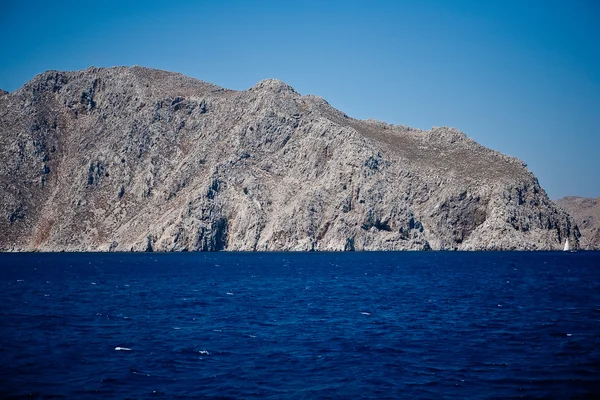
[135, 159]
[586, 213]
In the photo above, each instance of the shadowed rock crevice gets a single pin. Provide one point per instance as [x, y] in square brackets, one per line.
[138, 159]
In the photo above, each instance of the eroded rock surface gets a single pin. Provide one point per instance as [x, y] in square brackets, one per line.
[586, 213]
[147, 160]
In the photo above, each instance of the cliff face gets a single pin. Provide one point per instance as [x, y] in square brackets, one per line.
[139, 159]
[586, 213]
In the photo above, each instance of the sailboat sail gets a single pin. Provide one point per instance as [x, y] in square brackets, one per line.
[567, 248]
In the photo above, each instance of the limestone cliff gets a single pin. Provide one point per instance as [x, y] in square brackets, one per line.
[586, 213]
[140, 159]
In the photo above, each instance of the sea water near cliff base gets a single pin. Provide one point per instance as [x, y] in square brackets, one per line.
[300, 325]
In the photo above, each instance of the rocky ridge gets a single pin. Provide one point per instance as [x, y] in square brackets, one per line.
[586, 213]
[122, 159]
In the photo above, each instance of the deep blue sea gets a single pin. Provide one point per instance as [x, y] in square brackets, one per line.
[415, 325]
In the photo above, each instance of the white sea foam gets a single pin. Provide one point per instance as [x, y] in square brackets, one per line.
[365, 313]
[230, 293]
[569, 334]
[122, 349]
[203, 352]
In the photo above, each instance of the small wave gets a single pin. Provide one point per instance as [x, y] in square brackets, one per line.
[365, 313]
[122, 349]
[138, 372]
[229, 293]
[560, 334]
[203, 352]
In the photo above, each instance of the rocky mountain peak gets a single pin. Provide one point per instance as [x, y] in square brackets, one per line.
[273, 85]
[147, 160]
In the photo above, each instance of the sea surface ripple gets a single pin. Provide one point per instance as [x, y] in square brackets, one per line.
[421, 325]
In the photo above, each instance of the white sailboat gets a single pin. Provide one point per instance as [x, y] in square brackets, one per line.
[567, 247]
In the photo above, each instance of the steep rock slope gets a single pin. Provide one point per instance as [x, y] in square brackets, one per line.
[140, 159]
[586, 213]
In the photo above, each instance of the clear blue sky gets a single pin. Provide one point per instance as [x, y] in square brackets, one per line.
[521, 77]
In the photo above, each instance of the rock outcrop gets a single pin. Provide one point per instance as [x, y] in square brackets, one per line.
[147, 160]
[586, 213]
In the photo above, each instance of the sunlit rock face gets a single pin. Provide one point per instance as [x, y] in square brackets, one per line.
[123, 159]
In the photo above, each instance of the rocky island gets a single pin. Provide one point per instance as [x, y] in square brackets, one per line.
[586, 213]
[136, 159]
